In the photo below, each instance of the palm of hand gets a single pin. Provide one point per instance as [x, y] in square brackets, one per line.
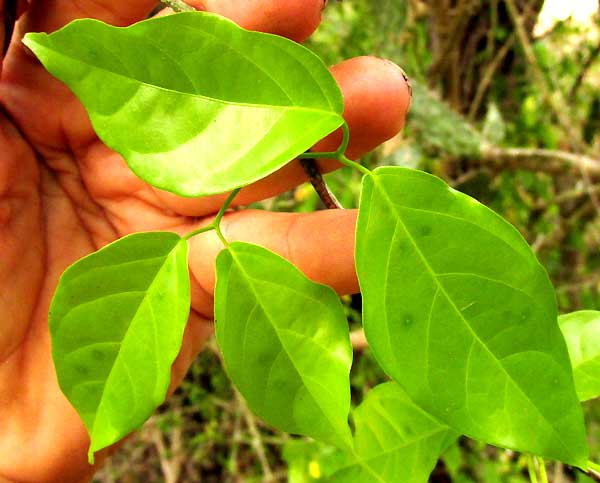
[63, 195]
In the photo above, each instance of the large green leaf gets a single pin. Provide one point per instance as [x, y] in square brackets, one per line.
[117, 322]
[395, 440]
[285, 343]
[195, 104]
[582, 333]
[458, 310]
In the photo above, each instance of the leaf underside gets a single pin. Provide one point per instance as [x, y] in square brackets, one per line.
[195, 104]
[285, 343]
[582, 333]
[394, 439]
[117, 322]
[458, 310]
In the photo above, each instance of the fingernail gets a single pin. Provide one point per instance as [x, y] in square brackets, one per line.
[410, 89]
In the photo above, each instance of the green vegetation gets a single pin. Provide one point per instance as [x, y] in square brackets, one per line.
[506, 118]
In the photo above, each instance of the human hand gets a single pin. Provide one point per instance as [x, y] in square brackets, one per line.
[63, 195]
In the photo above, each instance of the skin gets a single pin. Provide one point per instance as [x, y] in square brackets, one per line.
[63, 195]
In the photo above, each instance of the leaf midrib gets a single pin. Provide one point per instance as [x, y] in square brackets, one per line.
[292, 107]
[275, 328]
[433, 275]
[101, 399]
[255, 34]
[364, 462]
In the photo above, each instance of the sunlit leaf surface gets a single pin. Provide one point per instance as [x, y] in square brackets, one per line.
[582, 333]
[195, 104]
[285, 343]
[117, 322]
[394, 440]
[458, 310]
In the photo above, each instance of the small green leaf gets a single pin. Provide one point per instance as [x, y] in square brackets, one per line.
[458, 310]
[117, 322]
[285, 343]
[195, 104]
[395, 440]
[582, 333]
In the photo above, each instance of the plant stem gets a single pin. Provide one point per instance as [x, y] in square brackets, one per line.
[531, 468]
[319, 184]
[219, 217]
[331, 154]
[308, 162]
[542, 468]
[345, 139]
[353, 164]
[204, 229]
[216, 224]
[178, 5]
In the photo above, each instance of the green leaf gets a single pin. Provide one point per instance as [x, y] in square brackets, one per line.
[458, 310]
[285, 343]
[582, 333]
[117, 322]
[395, 440]
[195, 104]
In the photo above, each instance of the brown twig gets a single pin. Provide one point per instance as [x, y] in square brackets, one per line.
[544, 159]
[173, 458]
[583, 71]
[488, 76]
[455, 34]
[552, 97]
[550, 94]
[316, 179]
[256, 442]
[358, 340]
[178, 5]
[156, 10]
[594, 475]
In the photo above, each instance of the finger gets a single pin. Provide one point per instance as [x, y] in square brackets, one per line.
[50, 15]
[305, 239]
[295, 19]
[377, 98]
[197, 333]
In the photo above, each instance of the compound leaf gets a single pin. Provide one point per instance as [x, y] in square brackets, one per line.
[394, 439]
[285, 343]
[195, 104]
[582, 333]
[117, 322]
[458, 310]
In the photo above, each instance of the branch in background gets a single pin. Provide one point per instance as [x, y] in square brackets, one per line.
[358, 340]
[582, 73]
[566, 196]
[257, 442]
[455, 35]
[553, 99]
[541, 159]
[488, 76]
[173, 458]
[551, 95]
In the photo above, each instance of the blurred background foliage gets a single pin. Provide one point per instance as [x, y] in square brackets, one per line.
[506, 108]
